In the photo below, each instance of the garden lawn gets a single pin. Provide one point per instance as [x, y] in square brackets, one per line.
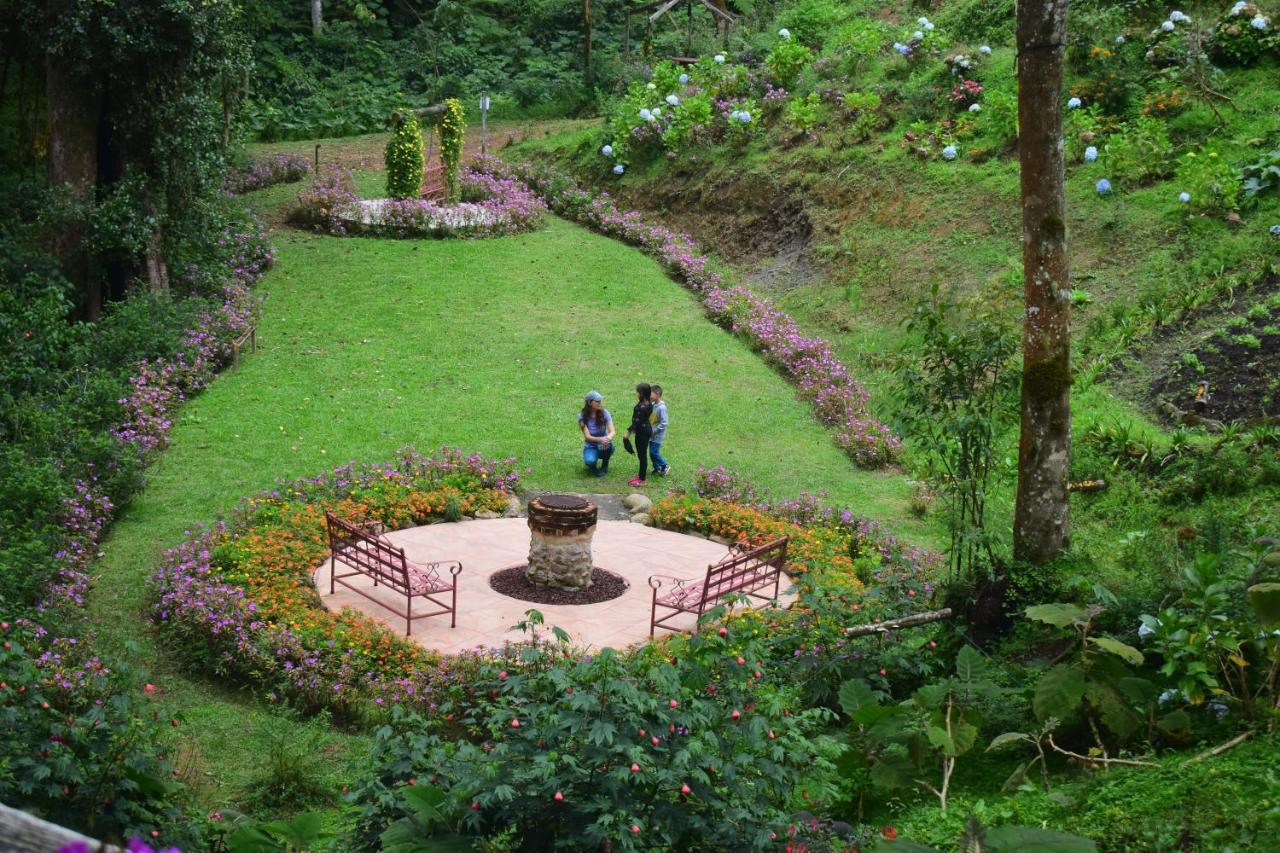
[367, 345]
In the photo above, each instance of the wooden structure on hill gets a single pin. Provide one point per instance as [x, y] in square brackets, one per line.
[654, 11]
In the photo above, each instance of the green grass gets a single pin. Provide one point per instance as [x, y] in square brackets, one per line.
[367, 345]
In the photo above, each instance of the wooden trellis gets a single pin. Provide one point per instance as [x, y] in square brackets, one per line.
[725, 21]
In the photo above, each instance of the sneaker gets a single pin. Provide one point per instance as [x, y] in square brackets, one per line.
[635, 481]
[665, 471]
[600, 472]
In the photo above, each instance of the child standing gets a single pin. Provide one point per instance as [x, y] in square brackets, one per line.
[659, 420]
[641, 430]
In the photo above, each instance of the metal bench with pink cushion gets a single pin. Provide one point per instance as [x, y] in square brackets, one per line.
[362, 548]
[743, 571]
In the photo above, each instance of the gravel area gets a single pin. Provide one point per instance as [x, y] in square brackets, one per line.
[514, 583]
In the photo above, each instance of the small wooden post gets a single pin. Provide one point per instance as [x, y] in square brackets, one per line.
[316, 167]
[484, 124]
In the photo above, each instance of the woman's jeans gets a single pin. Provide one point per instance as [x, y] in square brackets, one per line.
[596, 456]
[655, 454]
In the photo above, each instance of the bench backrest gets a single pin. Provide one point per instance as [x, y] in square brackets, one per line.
[361, 550]
[746, 570]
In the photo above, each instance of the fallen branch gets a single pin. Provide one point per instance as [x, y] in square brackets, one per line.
[1221, 748]
[1090, 759]
[904, 622]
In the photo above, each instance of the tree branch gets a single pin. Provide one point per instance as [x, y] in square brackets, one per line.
[1221, 748]
[1093, 760]
[911, 621]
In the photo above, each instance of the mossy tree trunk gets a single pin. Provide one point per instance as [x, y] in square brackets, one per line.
[1040, 527]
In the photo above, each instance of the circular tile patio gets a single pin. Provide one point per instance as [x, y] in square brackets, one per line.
[485, 617]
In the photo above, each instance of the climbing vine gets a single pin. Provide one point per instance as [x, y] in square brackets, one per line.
[404, 157]
[452, 124]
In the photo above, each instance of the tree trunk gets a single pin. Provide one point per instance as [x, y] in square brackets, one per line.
[586, 43]
[157, 269]
[74, 108]
[317, 16]
[1040, 528]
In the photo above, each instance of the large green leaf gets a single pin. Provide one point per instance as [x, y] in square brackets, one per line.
[1124, 651]
[1001, 741]
[1058, 692]
[1021, 839]
[893, 771]
[250, 839]
[964, 734]
[1058, 615]
[855, 694]
[1264, 598]
[970, 664]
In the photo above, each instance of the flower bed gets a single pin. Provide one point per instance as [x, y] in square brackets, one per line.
[839, 401]
[493, 207]
[237, 599]
[266, 172]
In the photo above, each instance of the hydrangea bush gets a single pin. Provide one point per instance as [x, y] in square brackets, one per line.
[266, 172]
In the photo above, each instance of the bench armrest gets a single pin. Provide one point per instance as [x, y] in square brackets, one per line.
[453, 566]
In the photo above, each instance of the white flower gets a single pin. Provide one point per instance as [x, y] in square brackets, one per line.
[1259, 23]
[1238, 8]
[618, 169]
[917, 35]
[985, 50]
[1119, 39]
[657, 112]
[785, 33]
[928, 25]
[646, 115]
[1145, 630]
[651, 87]
[607, 151]
[734, 115]
[719, 57]
[1090, 154]
[684, 78]
[1167, 26]
[949, 153]
[1168, 696]
[1184, 197]
[975, 108]
[1176, 16]
[673, 100]
[922, 21]
[1073, 104]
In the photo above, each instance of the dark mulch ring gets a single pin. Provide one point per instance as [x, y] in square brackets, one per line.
[1241, 367]
[514, 583]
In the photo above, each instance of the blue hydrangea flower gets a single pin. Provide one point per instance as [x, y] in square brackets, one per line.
[684, 78]
[646, 115]
[1103, 187]
[1177, 16]
[1238, 8]
[985, 50]
[1073, 104]
[1184, 197]
[901, 48]
[673, 100]
[1168, 696]
[1090, 154]
[744, 117]
[975, 108]
[1120, 39]
[1216, 707]
[1275, 230]
[785, 33]
[1167, 26]
[607, 151]
[1259, 23]
[922, 21]
[719, 58]
[917, 35]
[928, 25]
[949, 153]
[618, 169]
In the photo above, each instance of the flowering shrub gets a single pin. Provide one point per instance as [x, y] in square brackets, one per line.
[965, 93]
[319, 206]
[452, 124]
[839, 401]
[239, 600]
[1243, 35]
[701, 743]
[1214, 184]
[267, 172]
[404, 157]
[786, 61]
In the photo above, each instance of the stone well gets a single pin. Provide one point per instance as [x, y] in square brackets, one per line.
[560, 531]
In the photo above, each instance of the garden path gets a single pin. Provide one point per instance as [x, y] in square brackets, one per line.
[485, 617]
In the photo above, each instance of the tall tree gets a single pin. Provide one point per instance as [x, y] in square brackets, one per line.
[1040, 527]
[317, 16]
[586, 43]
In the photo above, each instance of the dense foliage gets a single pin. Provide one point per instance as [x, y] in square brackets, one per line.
[404, 159]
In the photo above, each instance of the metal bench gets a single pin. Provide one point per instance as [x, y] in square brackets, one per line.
[743, 571]
[362, 548]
